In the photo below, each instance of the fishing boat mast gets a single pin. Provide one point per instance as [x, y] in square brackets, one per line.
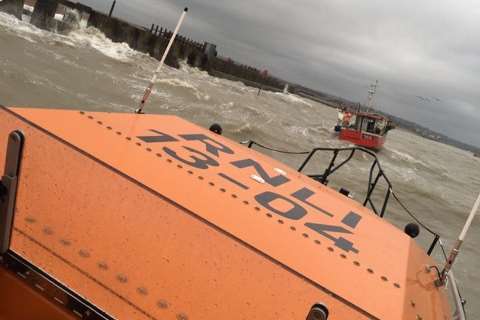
[371, 93]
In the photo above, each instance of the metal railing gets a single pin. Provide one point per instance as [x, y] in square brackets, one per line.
[376, 174]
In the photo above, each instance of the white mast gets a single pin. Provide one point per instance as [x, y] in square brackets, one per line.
[148, 90]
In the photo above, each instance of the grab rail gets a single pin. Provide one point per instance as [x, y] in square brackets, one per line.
[375, 174]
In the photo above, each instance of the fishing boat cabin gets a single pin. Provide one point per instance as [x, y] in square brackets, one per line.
[364, 129]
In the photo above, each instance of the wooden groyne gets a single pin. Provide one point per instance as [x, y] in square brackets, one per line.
[152, 41]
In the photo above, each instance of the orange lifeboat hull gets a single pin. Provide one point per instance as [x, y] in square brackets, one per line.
[152, 217]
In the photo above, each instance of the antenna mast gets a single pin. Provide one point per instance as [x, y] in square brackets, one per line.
[148, 90]
[456, 249]
[371, 93]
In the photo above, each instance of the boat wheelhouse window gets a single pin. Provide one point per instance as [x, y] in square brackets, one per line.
[370, 125]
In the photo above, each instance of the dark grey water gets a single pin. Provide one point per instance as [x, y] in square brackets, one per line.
[84, 70]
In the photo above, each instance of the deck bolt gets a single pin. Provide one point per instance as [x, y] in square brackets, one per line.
[162, 304]
[318, 312]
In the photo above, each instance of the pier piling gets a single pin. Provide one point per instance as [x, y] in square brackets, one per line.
[145, 42]
[44, 13]
[14, 7]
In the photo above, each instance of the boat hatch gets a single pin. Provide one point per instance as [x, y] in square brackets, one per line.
[152, 217]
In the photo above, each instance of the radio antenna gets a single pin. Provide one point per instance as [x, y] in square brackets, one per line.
[149, 88]
[456, 249]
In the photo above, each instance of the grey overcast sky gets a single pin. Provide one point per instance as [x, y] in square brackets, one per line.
[426, 54]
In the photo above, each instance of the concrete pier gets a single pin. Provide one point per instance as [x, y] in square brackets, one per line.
[152, 40]
[44, 13]
[14, 7]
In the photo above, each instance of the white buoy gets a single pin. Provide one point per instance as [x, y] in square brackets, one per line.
[148, 90]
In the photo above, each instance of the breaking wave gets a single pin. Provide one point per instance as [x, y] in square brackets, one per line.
[93, 38]
[81, 37]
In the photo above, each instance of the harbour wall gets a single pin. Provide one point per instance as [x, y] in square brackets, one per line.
[152, 41]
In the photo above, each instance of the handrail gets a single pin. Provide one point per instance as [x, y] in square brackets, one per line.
[375, 174]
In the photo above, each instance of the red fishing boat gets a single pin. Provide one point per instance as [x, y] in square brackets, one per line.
[365, 129]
